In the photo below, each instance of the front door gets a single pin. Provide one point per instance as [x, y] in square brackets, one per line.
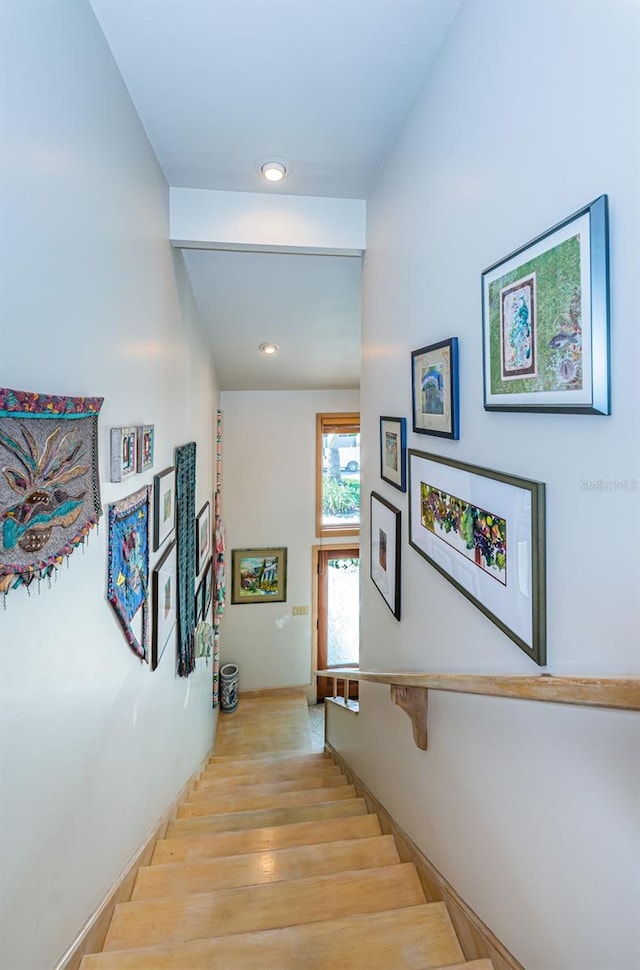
[338, 613]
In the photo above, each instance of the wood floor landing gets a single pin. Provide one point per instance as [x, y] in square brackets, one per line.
[265, 725]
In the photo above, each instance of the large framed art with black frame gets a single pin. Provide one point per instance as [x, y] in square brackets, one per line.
[484, 531]
[545, 315]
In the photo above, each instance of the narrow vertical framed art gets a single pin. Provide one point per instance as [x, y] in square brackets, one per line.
[393, 451]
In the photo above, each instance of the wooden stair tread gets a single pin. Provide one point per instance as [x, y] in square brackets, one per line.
[327, 830]
[217, 803]
[262, 867]
[277, 759]
[316, 779]
[265, 817]
[176, 919]
[413, 938]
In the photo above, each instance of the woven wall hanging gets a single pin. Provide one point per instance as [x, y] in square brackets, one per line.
[185, 462]
[49, 484]
[128, 573]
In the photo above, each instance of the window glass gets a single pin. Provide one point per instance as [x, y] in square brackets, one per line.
[338, 476]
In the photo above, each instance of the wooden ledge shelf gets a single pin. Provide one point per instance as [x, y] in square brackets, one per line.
[410, 690]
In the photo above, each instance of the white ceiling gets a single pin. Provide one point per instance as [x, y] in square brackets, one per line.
[326, 84]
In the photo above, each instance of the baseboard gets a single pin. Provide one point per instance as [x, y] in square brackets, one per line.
[91, 937]
[476, 939]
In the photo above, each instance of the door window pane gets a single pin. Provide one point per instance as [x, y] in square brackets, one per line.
[343, 612]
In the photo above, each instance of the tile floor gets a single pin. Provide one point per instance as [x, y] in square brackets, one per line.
[316, 724]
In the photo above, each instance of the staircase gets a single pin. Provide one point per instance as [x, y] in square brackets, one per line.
[272, 863]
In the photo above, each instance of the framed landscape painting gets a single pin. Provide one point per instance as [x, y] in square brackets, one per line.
[259, 575]
[393, 452]
[434, 385]
[484, 531]
[545, 316]
[385, 551]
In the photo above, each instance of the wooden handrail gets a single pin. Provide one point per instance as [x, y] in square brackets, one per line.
[622, 693]
[410, 691]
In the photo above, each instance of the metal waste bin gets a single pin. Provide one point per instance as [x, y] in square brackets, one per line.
[229, 688]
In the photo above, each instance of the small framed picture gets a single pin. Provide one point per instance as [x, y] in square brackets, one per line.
[386, 551]
[164, 506]
[164, 597]
[434, 382]
[199, 601]
[124, 453]
[545, 319]
[146, 434]
[393, 452]
[259, 575]
[203, 536]
[208, 588]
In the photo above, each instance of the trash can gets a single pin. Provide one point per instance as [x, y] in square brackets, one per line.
[229, 688]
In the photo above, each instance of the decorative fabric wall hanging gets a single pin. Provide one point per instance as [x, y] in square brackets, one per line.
[218, 563]
[49, 484]
[185, 462]
[128, 573]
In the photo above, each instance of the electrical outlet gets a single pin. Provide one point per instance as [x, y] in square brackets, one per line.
[300, 611]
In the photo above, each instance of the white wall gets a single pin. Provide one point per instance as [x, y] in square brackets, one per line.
[269, 500]
[530, 810]
[94, 302]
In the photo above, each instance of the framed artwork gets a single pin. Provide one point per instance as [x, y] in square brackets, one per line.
[393, 452]
[545, 318]
[124, 453]
[199, 601]
[484, 531]
[146, 436]
[385, 551]
[259, 575]
[208, 588]
[164, 584]
[128, 565]
[203, 536]
[164, 506]
[434, 384]
[204, 637]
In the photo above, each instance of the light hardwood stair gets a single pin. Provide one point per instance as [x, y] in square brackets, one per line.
[273, 863]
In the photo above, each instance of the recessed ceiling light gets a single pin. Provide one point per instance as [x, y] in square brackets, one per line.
[269, 349]
[273, 169]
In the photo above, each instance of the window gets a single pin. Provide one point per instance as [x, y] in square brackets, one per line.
[337, 474]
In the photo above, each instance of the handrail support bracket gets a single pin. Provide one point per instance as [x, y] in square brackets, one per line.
[413, 701]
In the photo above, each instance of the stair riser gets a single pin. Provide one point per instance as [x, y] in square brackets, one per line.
[180, 918]
[295, 782]
[216, 804]
[265, 867]
[265, 839]
[268, 817]
[415, 938]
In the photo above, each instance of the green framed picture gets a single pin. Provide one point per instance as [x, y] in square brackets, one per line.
[545, 316]
[259, 575]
